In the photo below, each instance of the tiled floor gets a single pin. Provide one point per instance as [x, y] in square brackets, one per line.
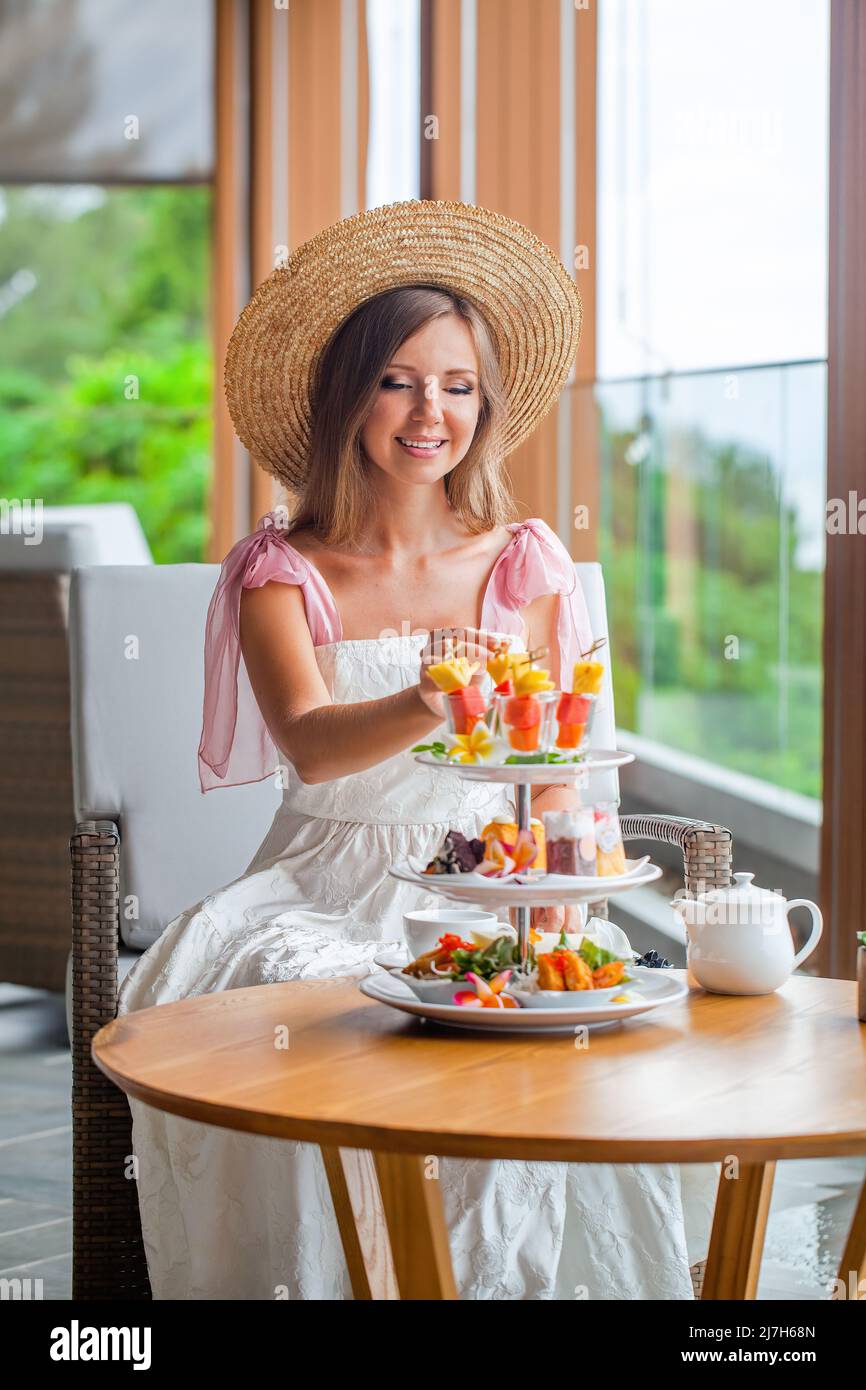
[35, 1140]
[812, 1201]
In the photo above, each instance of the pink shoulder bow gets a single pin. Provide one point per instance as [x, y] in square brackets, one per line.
[535, 563]
[235, 745]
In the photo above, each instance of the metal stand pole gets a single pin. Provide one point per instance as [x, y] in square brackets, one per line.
[520, 915]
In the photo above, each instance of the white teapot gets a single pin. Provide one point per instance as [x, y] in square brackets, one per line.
[739, 938]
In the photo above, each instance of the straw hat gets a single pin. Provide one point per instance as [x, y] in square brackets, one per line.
[525, 293]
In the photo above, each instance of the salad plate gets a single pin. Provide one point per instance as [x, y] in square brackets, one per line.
[537, 889]
[652, 989]
[594, 760]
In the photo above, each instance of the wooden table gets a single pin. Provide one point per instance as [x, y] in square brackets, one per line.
[743, 1080]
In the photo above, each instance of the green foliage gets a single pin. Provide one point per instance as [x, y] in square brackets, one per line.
[105, 366]
[716, 627]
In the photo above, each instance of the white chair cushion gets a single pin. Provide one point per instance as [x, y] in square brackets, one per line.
[136, 637]
[603, 786]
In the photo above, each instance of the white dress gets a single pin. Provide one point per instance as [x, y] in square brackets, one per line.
[240, 1216]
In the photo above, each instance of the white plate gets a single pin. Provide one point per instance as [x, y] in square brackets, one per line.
[596, 760]
[545, 891]
[655, 988]
[393, 957]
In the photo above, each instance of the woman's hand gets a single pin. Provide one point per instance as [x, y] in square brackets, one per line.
[470, 642]
[555, 918]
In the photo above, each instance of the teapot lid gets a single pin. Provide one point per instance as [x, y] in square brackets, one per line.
[741, 890]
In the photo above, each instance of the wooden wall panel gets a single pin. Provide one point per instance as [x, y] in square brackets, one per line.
[518, 173]
[268, 28]
[363, 103]
[585, 437]
[445, 98]
[229, 491]
[314, 117]
[843, 842]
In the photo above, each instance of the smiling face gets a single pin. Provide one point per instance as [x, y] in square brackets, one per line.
[425, 412]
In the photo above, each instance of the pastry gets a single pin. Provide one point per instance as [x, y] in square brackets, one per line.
[458, 855]
[570, 841]
[504, 829]
[609, 851]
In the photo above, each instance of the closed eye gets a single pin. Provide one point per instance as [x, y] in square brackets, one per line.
[389, 385]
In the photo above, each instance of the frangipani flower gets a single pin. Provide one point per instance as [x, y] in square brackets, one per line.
[487, 994]
[472, 748]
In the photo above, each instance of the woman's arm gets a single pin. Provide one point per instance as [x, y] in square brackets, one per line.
[323, 740]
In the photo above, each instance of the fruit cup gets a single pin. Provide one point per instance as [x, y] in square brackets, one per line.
[465, 706]
[527, 721]
[574, 716]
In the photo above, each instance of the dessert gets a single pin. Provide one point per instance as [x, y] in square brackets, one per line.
[574, 717]
[466, 702]
[609, 852]
[499, 667]
[453, 672]
[497, 863]
[570, 841]
[466, 706]
[504, 829]
[576, 707]
[489, 857]
[527, 714]
[458, 855]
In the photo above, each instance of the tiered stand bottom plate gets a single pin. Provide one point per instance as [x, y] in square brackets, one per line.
[654, 988]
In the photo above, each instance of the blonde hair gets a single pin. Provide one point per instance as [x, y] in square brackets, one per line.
[336, 495]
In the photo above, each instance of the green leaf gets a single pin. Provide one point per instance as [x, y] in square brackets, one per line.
[596, 955]
[529, 758]
[486, 961]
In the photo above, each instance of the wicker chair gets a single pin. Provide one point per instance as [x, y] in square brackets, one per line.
[108, 1259]
[36, 768]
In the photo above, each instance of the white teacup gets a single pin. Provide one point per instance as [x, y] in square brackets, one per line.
[423, 929]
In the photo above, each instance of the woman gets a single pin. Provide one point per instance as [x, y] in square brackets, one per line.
[383, 376]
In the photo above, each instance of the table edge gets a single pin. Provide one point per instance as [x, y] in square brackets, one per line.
[382, 1138]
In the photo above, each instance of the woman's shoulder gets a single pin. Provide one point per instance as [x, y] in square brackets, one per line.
[304, 540]
[498, 540]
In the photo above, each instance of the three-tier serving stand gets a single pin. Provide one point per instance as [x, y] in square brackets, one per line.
[552, 889]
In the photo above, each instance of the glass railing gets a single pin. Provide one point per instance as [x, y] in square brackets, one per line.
[712, 534]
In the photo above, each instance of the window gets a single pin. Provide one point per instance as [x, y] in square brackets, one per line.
[105, 365]
[712, 398]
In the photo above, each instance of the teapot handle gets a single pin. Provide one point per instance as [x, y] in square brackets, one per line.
[814, 935]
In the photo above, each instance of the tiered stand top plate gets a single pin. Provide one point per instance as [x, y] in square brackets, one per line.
[596, 760]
